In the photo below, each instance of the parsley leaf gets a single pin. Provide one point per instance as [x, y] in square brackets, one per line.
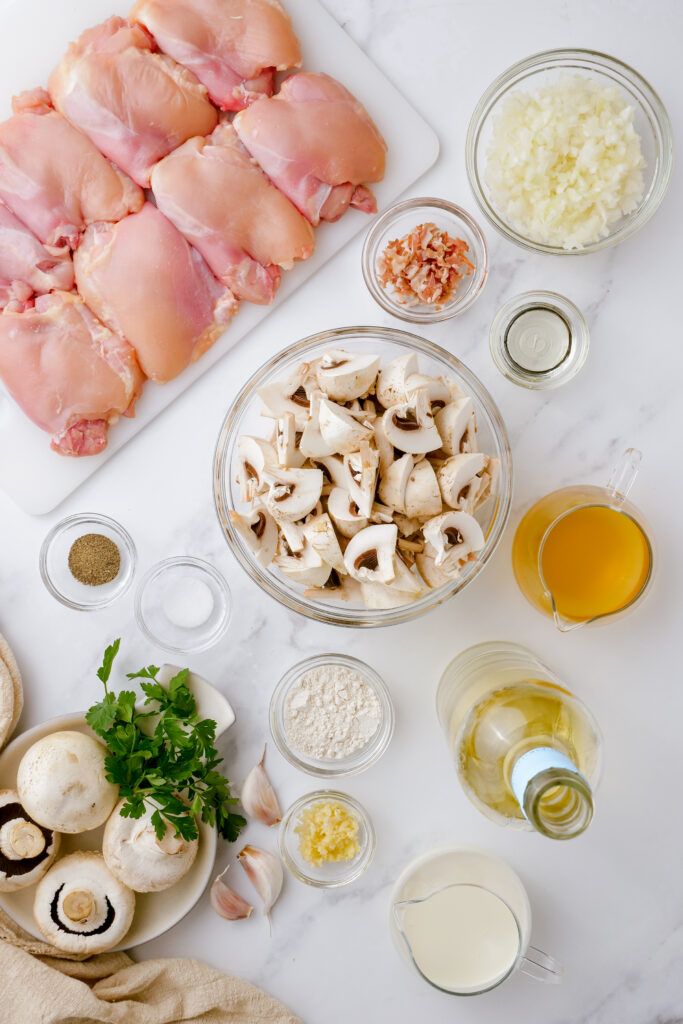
[164, 756]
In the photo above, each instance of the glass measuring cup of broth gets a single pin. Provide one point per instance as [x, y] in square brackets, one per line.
[461, 918]
[584, 553]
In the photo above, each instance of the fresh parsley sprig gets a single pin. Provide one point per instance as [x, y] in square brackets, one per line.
[164, 756]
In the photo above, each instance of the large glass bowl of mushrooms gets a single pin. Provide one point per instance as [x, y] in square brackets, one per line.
[363, 476]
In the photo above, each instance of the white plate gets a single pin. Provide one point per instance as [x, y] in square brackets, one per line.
[34, 476]
[155, 912]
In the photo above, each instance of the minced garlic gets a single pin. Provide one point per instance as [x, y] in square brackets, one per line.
[327, 831]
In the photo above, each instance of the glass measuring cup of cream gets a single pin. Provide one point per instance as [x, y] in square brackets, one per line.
[461, 918]
[583, 553]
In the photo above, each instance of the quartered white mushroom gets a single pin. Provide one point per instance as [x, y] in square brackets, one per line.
[438, 390]
[320, 534]
[27, 849]
[312, 443]
[422, 496]
[369, 556]
[80, 907]
[340, 429]
[459, 480]
[259, 530]
[391, 383]
[410, 427]
[292, 539]
[254, 455]
[433, 575]
[344, 513]
[361, 469]
[287, 437]
[393, 483]
[305, 567]
[332, 467]
[457, 427]
[292, 493]
[453, 538]
[62, 784]
[403, 589]
[384, 446]
[137, 858]
[336, 588]
[285, 396]
[344, 376]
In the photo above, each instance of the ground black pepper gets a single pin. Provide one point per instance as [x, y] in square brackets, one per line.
[94, 559]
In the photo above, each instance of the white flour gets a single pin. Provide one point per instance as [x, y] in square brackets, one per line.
[330, 712]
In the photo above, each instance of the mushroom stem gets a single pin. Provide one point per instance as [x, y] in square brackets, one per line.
[20, 840]
[78, 905]
[170, 843]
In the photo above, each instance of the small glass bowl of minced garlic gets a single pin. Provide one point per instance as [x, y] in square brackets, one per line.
[87, 561]
[327, 839]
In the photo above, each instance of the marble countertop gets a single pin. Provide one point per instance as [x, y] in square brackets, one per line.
[608, 905]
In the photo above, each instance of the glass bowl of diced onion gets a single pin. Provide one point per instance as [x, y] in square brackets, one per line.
[517, 147]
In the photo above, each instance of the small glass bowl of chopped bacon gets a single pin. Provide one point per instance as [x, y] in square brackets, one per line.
[425, 260]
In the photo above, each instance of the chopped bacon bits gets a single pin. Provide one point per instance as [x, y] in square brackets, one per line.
[424, 266]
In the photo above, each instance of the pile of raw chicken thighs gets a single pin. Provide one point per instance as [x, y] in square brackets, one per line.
[103, 284]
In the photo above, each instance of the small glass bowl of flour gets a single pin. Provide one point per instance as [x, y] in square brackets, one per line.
[331, 715]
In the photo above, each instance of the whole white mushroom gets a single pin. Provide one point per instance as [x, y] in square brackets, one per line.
[137, 858]
[62, 784]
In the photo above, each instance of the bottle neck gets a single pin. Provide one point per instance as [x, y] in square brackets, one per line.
[554, 796]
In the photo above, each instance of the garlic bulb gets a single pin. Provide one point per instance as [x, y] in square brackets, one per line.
[264, 871]
[258, 796]
[226, 902]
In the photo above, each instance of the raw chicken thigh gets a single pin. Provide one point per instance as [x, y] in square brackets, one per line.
[317, 143]
[134, 104]
[148, 284]
[26, 266]
[233, 46]
[67, 371]
[223, 203]
[53, 178]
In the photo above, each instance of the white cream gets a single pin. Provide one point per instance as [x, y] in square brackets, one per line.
[538, 339]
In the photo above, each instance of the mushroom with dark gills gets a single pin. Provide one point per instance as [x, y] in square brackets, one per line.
[138, 858]
[62, 783]
[81, 907]
[27, 849]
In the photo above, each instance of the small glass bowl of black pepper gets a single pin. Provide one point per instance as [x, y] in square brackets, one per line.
[87, 561]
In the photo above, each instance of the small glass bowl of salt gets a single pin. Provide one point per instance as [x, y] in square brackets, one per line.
[331, 715]
[183, 604]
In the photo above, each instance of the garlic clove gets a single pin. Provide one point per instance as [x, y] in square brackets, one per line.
[264, 871]
[227, 903]
[258, 796]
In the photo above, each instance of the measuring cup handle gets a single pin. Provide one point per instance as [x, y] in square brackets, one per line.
[537, 964]
[624, 472]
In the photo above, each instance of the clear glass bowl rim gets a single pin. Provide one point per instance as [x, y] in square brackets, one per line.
[197, 563]
[361, 759]
[360, 617]
[422, 314]
[93, 518]
[357, 866]
[594, 60]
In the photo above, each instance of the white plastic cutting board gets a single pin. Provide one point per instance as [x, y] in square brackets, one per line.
[35, 33]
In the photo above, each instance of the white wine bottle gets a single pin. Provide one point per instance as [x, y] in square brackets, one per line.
[527, 752]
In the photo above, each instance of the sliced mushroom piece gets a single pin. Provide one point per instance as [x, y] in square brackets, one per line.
[369, 556]
[393, 483]
[140, 860]
[290, 395]
[287, 438]
[459, 480]
[437, 389]
[27, 849]
[407, 526]
[291, 540]
[410, 427]
[306, 567]
[391, 383]
[422, 495]
[453, 538]
[381, 513]
[344, 513]
[456, 391]
[312, 444]
[254, 455]
[62, 784]
[340, 429]
[81, 907]
[337, 588]
[321, 535]
[332, 467]
[457, 427]
[259, 530]
[489, 481]
[361, 469]
[402, 590]
[344, 376]
[384, 446]
[292, 493]
[433, 575]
